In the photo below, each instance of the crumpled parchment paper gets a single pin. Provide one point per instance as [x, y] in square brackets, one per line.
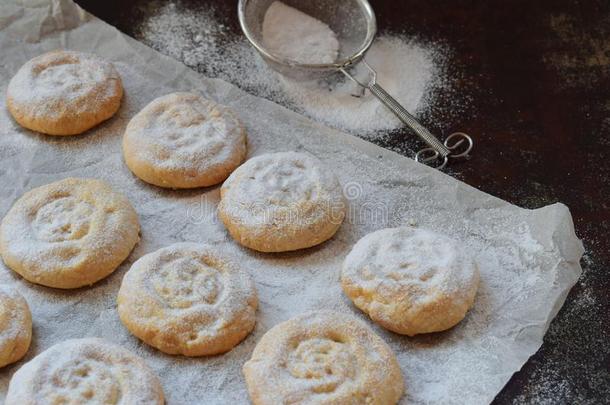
[529, 259]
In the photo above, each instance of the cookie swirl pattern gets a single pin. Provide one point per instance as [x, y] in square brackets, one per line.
[410, 280]
[282, 201]
[188, 299]
[68, 234]
[182, 140]
[85, 371]
[64, 93]
[323, 357]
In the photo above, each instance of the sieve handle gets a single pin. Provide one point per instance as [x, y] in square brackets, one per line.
[408, 119]
[437, 151]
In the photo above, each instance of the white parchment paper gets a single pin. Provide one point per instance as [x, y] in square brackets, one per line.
[529, 259]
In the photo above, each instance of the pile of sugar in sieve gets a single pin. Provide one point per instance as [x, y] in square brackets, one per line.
[299, 45]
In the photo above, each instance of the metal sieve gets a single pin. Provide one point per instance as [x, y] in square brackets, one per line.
[353, 21]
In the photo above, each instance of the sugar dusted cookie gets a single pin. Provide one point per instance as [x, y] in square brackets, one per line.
[68, 234]
[85, 371]
[410, 280]
[323, 357]
[188, 299]
[182, 140]
[282, 201]
[64, 93]
[15, 326]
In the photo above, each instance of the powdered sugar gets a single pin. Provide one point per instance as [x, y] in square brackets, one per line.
[283, 201]
[65, 218]
[323, 357]
[404, 68]
[183, 131]
[71, 80]
[89, 371]
[410, 70]
[60, 235]
[410, 280]
[192, 296]
[269, 183]
[528, 259]
[386, 191]
[416, 259]
[14, 321]
[294, 35]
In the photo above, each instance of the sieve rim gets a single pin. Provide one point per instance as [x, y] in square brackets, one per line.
[371, 30]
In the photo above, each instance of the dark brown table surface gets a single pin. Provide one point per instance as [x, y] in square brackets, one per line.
[537, 77]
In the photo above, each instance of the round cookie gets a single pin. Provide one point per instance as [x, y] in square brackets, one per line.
[68, 234]
[85, 371]
[282, 201]
[323, 357]
[64, 93]
[15, 326]
[182, 140]
[188, 299]
[410, 280]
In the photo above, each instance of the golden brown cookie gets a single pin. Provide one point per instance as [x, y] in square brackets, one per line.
[182, 140]
[282, 201]
[188, 299]
[15, 326]
[68, 234]
[323, 357]
[64, 93]
[410, 280]
[85, 371]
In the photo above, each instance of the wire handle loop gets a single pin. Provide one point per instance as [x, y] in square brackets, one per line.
[434, 156]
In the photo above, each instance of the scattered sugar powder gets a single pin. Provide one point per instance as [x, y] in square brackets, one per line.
[404, 68]
[410, 70]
